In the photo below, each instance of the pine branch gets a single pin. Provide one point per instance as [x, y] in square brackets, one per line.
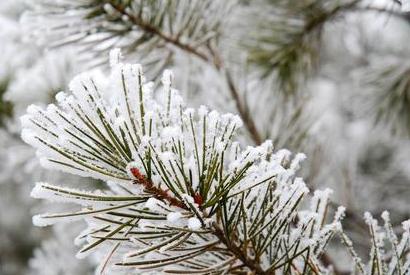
[210, 56]
[392, 261]
[180, 187]
[161, 194]
[389, 86]
[238, 252]
[207, 54]
[151, 29]
[286, 46]
[143, 29]
[215, 59]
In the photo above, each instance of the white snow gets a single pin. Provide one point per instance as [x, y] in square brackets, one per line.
[194, 223]
[173, 217]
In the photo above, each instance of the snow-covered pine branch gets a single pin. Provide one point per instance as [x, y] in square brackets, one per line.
[183, 196]
[388, 254]
[149, 31]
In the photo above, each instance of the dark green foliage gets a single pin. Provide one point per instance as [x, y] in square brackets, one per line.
[287, 45]
[6, 107]
[390, 96]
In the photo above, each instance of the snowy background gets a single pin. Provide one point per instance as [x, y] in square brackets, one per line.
[355, 135]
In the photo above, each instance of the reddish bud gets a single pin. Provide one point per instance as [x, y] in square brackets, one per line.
[198, 199]
[136, 173]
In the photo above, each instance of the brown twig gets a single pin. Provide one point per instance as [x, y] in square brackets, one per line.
[157, 192]
[245, 115]
[151, 29]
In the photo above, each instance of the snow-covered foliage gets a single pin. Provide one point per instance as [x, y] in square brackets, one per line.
[388, 254]
[184, 197]
[196, 22]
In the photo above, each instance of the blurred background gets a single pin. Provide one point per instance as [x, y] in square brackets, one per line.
[330, 78]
